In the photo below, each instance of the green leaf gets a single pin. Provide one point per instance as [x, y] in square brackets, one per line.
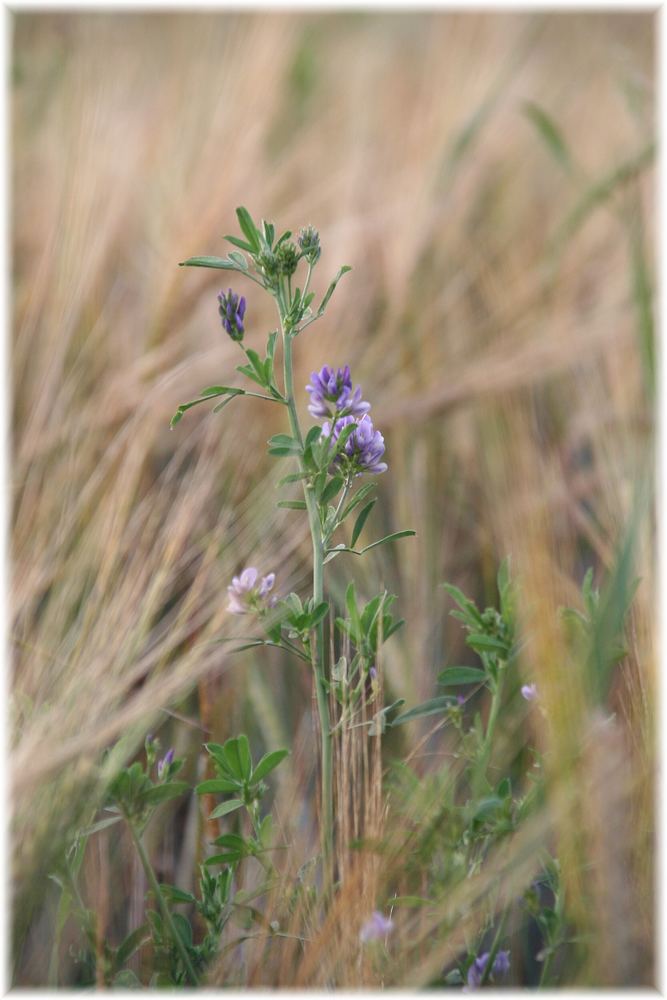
[210, 393]
[248, 227]
[293, 477]
[245, 758]
[432, 707]
[282, 239]
[162, 793]
[239, 259]
[216, 786]
[250, 373]
[332, 488]
[388, 538]
[184, 928]
[463, 602]
[241, 244]
[256, 362]
[486, 643]
[226, 807]
[175, 895]
[101, 824]
[359, 496]
[223, 263]
[283, 441]
[268, 762]
[461, 675]
[331, 289]
[292, 504]
[318, 614]
[312, 436]
[360, 522]
[224, 859]
[141, 935]
[549, 132]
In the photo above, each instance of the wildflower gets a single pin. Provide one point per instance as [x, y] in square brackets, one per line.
[268, 264]
[363, 449]
[377, 926]
[529, 692]
[164, 764]
[232, 311]
[247, 594]
[331, 394]
[500, 967]
[287, 257]
[309, 241]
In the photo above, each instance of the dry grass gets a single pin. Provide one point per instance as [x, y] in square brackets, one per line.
[510, 374]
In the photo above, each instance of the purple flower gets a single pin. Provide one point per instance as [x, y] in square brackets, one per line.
[529, 692]
[246, 593]
[232, 311]
[376, 927]
[165, 763]
[500, 967]
[331, 394]
[363, 449]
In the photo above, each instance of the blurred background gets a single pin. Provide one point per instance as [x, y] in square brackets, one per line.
[489, 178]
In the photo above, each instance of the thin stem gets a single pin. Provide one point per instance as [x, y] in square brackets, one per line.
[318, 596]
[485, 752]
[150, 875]
[494, 949]
[343, 497]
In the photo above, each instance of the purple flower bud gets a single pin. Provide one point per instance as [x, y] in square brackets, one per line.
[331, 394]
[165, 763]
[363, 449]
[376, 927]
[500, 967]
[232, 311]
[373, 673]
[248, 592]
[529, 692]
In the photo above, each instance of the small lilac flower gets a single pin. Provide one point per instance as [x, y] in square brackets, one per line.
[373, 674]
[460, 699]
[232, 311]
[309, 241]
[529, 692]
[331, 394]
[364, 447]
[164, 764]
[376, 927]
[500, 967]
[247, 594]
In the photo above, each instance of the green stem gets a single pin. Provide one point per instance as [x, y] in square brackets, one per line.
[318, 596]
[150, 875]
[485, 751]
[494, 949]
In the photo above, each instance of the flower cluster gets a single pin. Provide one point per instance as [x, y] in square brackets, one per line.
[331, 394]
[309, 241]
[500, 967]
[249, 593]
[362, 450]
[232, 311]
[376, 927]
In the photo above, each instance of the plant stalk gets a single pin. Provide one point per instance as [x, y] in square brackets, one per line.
[318, 596]
[150, 875]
